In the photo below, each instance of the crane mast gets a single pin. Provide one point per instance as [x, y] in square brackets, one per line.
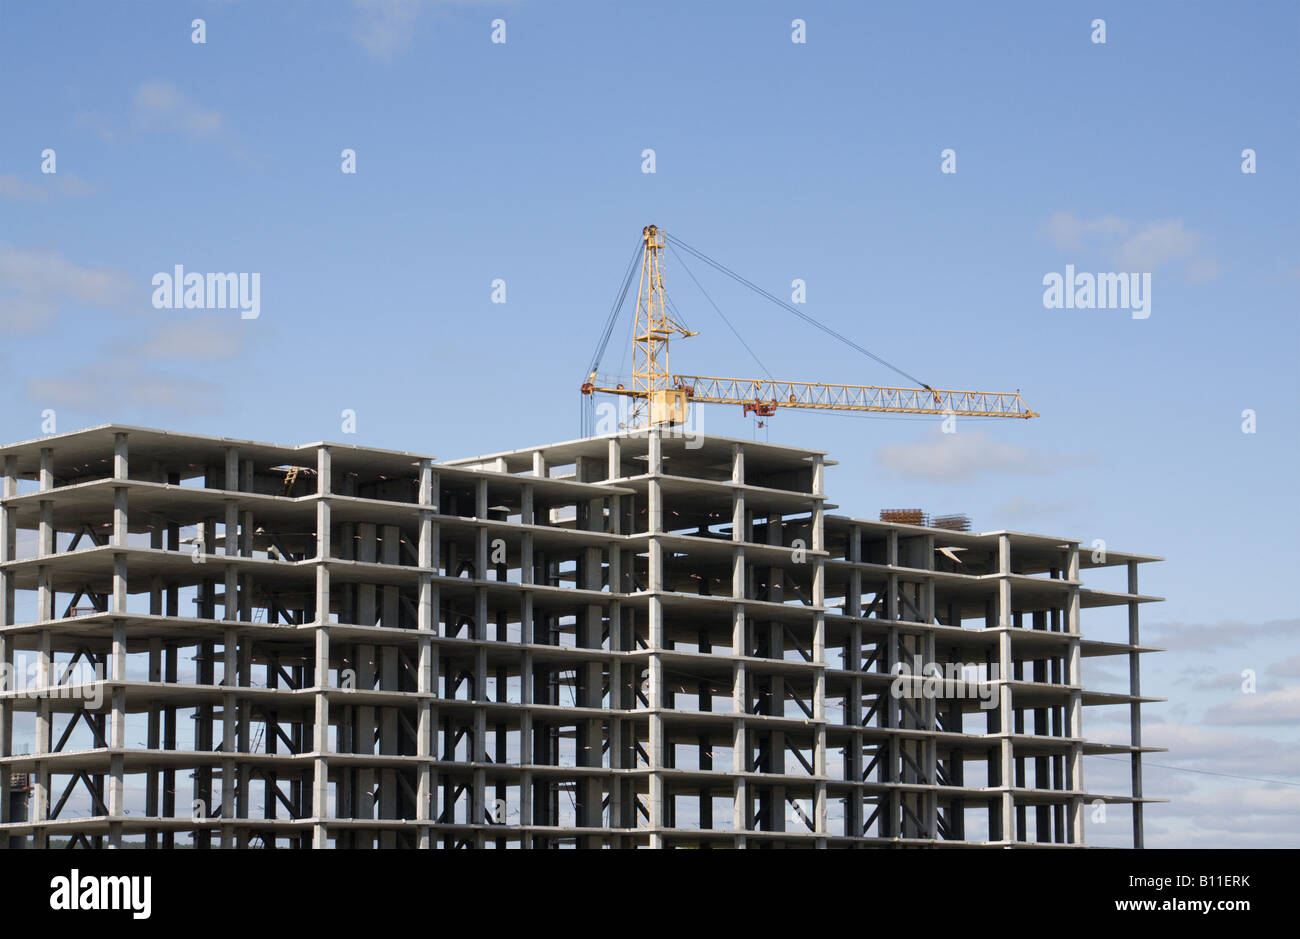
[653, 327]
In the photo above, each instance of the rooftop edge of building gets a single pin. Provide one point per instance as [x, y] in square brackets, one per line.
[596, 447]
[92, 443]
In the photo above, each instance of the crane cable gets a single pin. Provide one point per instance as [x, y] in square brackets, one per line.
[615, 310]
[779, 302]
[718, 310]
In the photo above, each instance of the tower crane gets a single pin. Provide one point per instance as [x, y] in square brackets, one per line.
[661, 397]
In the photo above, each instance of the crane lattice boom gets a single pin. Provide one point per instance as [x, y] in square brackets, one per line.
[662, 398]
[763, 396]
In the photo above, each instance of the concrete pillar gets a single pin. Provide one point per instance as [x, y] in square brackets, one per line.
[656, 642]
[8, 541]
[1074, 709]
[527, 695]
[853, 815]
[740, 816]
[929, 750]
[478, 743]
[320, 736]
[1135, 707]
[117, 737]
[1005, 707]
[615, 459]
[121, 534]
[45, 657]
[819, 650]
[242, 777]
[229, 722]
[363, 732]
[41, 775]
[427, 669]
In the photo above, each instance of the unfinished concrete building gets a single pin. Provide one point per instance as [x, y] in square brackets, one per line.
[612, 642]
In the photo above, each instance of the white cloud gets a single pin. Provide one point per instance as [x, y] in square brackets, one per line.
[42, 187]
[149, 368]
[960, 456]
[212, 338]
[135, 370]
[103, 387]
[1132, 246]
[385, 28]
[1156, 244]
[1068, 232]
[1228, 681]
[159, 105]
[1184, 636]
[1021, 507]
[23, 314]
[1225, 789]
[34, 286]
[1250, 800]
[1219, 751]
[1240, 816]
[1203, 269]
[1260, 709]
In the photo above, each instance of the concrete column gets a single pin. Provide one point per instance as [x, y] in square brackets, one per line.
[363, 735]
[229, 721]
[654, 584]
[590, 676]
[1135, 707]
[929, 707]
[1005, 708]
[853, 816]
[615, 459]
[320, 736]
[478, 744]
[388, 730]
[246, 529]
[1074, 710]
[229, 652]
[740, 749]
[527, 695]
[481, 542]
[120, 519]
[117, 742]
[45, 657]
[242, 776]
[426, 674]
[230, 479]
[153, 739]
[478, 729]
[739, 679]
[618, 702]
[819, 651]
[46, 537]
[117, 737]
[8, 542]
[46, 477]
[41, 775]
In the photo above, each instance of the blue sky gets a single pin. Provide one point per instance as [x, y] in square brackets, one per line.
[821, 161]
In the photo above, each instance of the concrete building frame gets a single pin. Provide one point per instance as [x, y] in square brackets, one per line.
[621, 641]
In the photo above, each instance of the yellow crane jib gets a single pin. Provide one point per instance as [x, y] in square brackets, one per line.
[661, 397]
